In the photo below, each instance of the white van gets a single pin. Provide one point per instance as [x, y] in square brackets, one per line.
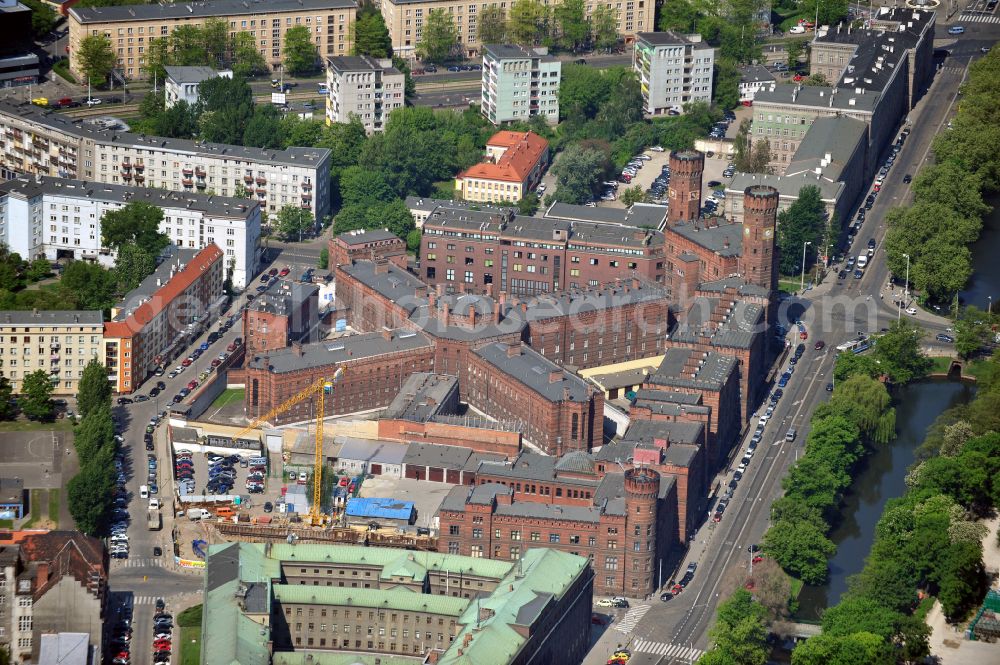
[862, 261]
[143, 492]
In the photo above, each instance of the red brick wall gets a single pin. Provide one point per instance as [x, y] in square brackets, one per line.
[478, 439]
[264, 331]
[340, 252]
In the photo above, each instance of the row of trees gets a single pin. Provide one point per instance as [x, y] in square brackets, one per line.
[91, 490]
[858, 415]
[533, 23]
[34, 400]
[946, 215]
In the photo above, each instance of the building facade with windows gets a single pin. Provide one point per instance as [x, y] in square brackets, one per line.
[60, 343]
[181, 84]
[514, 166]
[64, 221]
[406, 18]
[131, 28]
[34, 141]
[673, 70]
[519, 83]
[365, 88]
[148, 328]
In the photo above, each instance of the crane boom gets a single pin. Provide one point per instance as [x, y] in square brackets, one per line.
[318, 389]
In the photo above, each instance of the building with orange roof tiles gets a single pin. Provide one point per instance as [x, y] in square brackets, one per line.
[161, 315]
[514, 166]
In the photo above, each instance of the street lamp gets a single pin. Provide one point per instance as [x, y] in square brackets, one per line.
[906, 289]
[989, 305]
[802, 278]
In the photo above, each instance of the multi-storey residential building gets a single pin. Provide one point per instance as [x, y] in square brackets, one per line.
[53, 582]
[60, 218]
[515, 164]
[33, 141]
[673, 70]
[492, 250]
[286, 312]
[131, 28]
[365, 88]
[60, 343]
[623, 522]
[150, 326]
[442, 608]
[519, 83]
[181, 84]
[405, 20]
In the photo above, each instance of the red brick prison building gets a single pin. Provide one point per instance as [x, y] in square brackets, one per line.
[715, 378]
[728, 322]
[493, 251]
[700, 250]
[560, 411]
[684, 195]
[426, 409]
[674, 450]
[366, 244]
[438, 463]
[376, 365]
[626, 529]
[287, 312]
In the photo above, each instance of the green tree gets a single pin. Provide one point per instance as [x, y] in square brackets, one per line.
[370, 34]
[138, 223]
[972, 331]
[157, 59]
[899, 355]
[247, 60]
[178, 121]
[324, 259]
[413, 241]
[803, 221]
[962, 580]
[215, 42]
[152, 105]
[264, 128]
[794, 47]
[439, 39]
[632, 195]
[96, 57]
[828, 12]
[750, 157]
[36, 396]
[801, 548]
[293, 221]
[528, 205]
[858, 614]
[299, 53]
[89, 494]
[571, 18]
[526, 22]
[582, 90]
[604, 27]
[7, 410]
[492, 26]
[95, 433]
[225, 108]
[855, 649]
[89, 285]
[680, 15]
[579, 170]
[94, 389]
[132, 265]
[739, 636]
[38, 269]
[43, 18]
[727, 77]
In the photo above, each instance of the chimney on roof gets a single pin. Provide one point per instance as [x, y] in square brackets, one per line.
[444, 314]
[386, 334]
[297, 349]
[432, 300]
[472, 314]
[41, 574]
[513, 350]
[440, 289]
[555, 375]
[565, 393]
[381, 265]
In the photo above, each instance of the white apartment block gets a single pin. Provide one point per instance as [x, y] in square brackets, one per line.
[181, 84]
[519, 83]
[363, 87]
[58, 218]
[60, 343]
[673, 70]
[33, 141]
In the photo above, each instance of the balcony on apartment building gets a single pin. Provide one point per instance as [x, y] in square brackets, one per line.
[139, 167]
[187, 171]
[140, 178]
[201, 184]
[261, 180]
[54, 345]
[54, 358]
[199, 171]
[126, 176]
[187, 182]
[248, 178]
[306, 185]
[261, 191]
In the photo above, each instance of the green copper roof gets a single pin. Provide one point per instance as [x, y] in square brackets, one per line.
[389, 557]
[405, 601]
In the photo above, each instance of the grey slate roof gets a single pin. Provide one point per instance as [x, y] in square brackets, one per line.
[190, 74]
[420, 397]
[203, 9]
[545, 511]
[640, 214]
[371, 450]
[737, 331]
[209, 204]
[171, 260]
[346, 349]
[837, 137]
[819, 96]
[438, 456]
[532, 369]
[358, 63]
[510, 51]
[293, 156]
[743, 289]
[716, 234]
[283, 297]
[788, 186]
[398, 286]
[365, 236]
[711, 375]
[663, 38]
[676, 432]
[755, 74]
[51, 318]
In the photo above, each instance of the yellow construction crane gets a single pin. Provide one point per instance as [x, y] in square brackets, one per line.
[319, 389]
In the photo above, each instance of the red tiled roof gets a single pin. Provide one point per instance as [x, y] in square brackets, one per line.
[66, 553]
[524, 150]
[164, 295]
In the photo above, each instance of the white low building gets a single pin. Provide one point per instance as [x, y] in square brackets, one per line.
[59, 218]
[182, 83]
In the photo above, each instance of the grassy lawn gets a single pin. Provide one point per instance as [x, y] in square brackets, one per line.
[189, 621]
[62, 69]
[6, 524]
[228, 396]
[940, 364]
[975, 368]
[54, 507]
[21, 425]
[35, 507]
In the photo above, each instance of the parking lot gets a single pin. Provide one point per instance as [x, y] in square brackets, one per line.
[194, 476]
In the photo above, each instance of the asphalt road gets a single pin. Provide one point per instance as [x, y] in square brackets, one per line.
[834, 312]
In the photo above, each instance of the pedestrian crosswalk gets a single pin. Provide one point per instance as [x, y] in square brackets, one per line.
[144, 600]
[151, 562]
[632, 617]
[975, 17]
[679, 652]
